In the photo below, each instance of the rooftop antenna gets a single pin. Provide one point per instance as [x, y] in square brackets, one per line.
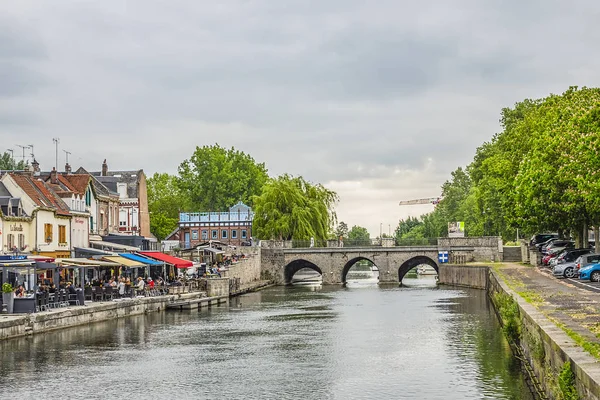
[23, 147]
[67, 155]
[12, 159]
[56, 142]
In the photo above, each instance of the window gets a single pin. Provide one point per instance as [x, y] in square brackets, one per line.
[21, 241]
[195, 234]
[100, 221]
[122, 190]
[48, 233]
[234, 234]
[224, 234]
[62, 234]
[244, 234]
[214, 234]
[88, 197]
[91, 224]
[10, 241]
[204, 235]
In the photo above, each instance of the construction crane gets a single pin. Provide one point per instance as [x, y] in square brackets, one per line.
[429, 200]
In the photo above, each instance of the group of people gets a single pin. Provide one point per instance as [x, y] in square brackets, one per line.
[124, 284]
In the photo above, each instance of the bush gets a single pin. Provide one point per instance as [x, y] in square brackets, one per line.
[7, 288]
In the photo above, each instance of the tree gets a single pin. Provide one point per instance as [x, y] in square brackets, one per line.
[165, 201]
[290, 208]
[7, 163]
[342, 230]
[215, 178]
[359, 236]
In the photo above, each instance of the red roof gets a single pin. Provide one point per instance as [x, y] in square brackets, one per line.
[41, 194]
[178, 262]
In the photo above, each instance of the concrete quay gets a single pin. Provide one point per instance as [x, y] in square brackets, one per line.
[16, 325]
[552, 314]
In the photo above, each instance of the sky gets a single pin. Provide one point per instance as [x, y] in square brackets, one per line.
[377, 100]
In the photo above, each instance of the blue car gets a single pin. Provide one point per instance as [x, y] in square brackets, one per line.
[591, 272]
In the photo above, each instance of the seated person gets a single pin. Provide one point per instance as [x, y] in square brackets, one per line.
[20, 292]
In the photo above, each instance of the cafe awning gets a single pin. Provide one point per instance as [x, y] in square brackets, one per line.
[123, 261]
[177, 262]
[140, 259]
[111, 246]
[16, 263]
[84, 262]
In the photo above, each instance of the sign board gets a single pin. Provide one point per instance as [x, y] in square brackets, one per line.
[443, 257]
[456, 229]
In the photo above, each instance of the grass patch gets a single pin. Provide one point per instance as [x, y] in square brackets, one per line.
[566, 383]
[531, 297]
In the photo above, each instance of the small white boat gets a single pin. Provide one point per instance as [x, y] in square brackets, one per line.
[374, 268]
[426, 270]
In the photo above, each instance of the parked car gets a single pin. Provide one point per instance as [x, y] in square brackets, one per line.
[558, 246]
[590, 272]
[587, 259]
[541, 238]
[566, 265]
[568, 256]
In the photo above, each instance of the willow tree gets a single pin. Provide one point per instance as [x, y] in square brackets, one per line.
[290, 208]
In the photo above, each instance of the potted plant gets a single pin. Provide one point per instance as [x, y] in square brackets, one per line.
[8, 296]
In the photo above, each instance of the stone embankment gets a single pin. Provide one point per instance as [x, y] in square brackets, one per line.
[245, 273]
[551, 322]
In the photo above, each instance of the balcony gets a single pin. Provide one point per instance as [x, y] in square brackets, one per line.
[199, 217]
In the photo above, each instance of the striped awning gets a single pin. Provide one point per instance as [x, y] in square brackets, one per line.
[85, 262]
[123, 261]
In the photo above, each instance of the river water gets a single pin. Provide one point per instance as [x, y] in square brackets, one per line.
[301, 342]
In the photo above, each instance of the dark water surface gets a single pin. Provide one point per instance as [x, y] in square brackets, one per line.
[360, 342]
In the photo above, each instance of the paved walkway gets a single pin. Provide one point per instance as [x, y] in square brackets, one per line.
[561, 300]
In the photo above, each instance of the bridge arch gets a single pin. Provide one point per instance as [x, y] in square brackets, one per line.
[413, 262]
[349, 265]
[294, 266]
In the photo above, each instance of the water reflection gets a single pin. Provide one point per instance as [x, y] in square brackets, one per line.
[281, 343]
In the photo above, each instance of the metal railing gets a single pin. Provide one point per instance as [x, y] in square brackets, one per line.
[302, 244]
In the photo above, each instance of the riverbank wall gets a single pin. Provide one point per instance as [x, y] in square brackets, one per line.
[555, 360]
[217, 291]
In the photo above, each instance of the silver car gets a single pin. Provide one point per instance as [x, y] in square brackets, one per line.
[566, 270]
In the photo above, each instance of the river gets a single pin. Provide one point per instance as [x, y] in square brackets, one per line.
[303, 342]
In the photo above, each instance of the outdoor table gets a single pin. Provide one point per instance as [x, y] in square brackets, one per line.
[24, 305]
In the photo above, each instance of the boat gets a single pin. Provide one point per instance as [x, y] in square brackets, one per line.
[426, 270]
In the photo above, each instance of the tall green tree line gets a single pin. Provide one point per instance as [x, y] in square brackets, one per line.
[540, 173]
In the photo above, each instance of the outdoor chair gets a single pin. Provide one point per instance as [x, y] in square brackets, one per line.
[88, 293]
[45, 301]
[98, 295]
[73, 299]
[64, 299]
[108, 294]
[39, 298]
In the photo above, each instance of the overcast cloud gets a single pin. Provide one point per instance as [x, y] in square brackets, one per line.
[378, 100]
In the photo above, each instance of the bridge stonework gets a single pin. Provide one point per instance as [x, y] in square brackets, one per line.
[279, 263]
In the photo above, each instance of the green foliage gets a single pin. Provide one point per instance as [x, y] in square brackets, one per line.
[215, 178]
[290, 208]
[359, 236]
[341, 230]
[8, 163]
[541, 173]
[508, 310]
[7, 288]
[165, 201]
[566, 383]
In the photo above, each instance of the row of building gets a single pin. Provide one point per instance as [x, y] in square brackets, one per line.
[56, 214]
[63, 214]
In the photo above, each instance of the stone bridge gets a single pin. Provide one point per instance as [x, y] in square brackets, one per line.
[281, 263]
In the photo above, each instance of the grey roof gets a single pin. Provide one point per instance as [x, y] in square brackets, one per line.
[100, 188]
[131, 178]
[4, 191]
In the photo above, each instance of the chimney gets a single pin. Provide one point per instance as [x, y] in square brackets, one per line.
[53, 178]
[104, 168]
[68, 169]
